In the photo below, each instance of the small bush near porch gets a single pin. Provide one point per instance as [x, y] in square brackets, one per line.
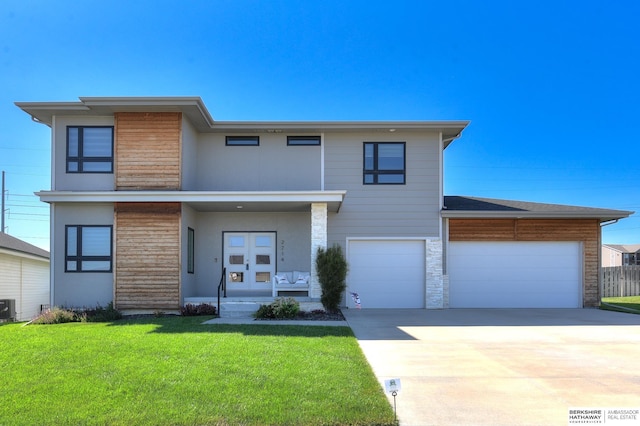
[176, 371]
[332, 271]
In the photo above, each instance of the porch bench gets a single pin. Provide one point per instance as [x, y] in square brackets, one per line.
[295, 281]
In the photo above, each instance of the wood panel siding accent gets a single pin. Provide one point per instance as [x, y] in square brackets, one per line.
[148, 150]
[586, 231]
[147, 263]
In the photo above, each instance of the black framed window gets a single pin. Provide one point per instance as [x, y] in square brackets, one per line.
[631, 258]
[88, 248]
[242, 140]
[90, 149]
[303, 140]
[191, 245]
[384, 163]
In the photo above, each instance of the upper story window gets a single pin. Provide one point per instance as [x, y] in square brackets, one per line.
[384, 163]
[242, 140]
[89, 149]
[303, 140]
[88, 248]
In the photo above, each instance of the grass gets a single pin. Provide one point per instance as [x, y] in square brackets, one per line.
[623, 304]
[176, 371]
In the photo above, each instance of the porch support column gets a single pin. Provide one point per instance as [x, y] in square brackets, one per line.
[435, 279]
[318, 239]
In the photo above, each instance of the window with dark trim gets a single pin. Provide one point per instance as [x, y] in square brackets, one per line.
[88, 248]
[303, 140]
[90, 149]
[384, 163]
[242, 140]
[631, 259]
[191, 234]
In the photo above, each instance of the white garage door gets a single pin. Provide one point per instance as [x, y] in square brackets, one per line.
[387, 273]
[515, 275]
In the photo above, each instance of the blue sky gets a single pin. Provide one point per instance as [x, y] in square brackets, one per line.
[551, 87]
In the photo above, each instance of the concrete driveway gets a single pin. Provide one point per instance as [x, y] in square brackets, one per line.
[502, 366]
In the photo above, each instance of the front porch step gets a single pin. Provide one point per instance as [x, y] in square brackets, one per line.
[238, 309]
[245, 307]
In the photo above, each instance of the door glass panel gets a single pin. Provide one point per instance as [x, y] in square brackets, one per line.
[236, 241]
[263, 277]
[236, 259]
[263, 241]
[236, 277]
[263, 259]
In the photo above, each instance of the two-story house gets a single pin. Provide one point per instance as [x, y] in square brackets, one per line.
[152, 200]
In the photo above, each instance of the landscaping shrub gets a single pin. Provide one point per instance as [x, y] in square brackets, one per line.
[56, 316]
[332, 269]
[286, 307]
[190, 309]
[100, 314]
[265, 312]
[59, 315]
[281, 308]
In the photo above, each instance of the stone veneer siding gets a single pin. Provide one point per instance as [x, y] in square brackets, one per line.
[318, 239]
[435, 289]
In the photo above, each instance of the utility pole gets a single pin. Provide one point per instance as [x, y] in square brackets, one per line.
[2, 211]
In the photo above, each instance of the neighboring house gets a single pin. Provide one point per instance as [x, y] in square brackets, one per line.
[620, 254]
[152, 200]
[24, 276]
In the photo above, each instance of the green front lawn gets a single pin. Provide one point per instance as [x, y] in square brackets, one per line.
[629, 304]
[175, 371]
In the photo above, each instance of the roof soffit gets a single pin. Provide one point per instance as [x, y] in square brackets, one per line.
[195, 110]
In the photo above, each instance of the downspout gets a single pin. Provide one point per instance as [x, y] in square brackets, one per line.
[609, 222]
[52, 221]
[322, 161]
[440, 184]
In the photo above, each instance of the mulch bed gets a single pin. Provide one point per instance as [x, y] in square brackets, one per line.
[317, 315]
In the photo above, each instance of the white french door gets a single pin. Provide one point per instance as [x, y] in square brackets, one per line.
[250, 259]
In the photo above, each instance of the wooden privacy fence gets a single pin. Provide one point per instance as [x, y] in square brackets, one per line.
[621, 281]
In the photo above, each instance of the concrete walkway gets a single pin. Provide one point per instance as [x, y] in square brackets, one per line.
[502, 366]
[246, 320]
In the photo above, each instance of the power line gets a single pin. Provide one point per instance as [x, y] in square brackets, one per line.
[28, 205]
[13, 194]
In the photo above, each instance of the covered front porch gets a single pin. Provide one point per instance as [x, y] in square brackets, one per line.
[256, 248]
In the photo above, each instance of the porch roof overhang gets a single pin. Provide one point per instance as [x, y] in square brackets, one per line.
[208, 201]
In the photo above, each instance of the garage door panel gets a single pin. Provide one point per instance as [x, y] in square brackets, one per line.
[387, 273]
[515, 274]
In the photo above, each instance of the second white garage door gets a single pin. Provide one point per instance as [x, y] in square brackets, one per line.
[515, 275]
[387, 273]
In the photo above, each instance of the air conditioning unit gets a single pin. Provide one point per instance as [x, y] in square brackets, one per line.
[7, 309]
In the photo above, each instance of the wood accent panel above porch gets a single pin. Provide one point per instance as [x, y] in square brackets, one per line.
[148, 150]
